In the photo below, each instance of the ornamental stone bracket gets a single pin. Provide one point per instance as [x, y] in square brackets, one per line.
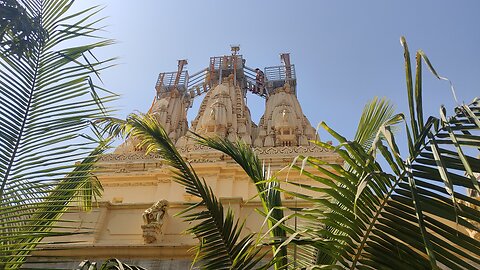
[154, 219]
[151, 233]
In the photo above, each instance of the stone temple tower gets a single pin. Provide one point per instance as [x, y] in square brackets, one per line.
[283, 123]
[136, 221]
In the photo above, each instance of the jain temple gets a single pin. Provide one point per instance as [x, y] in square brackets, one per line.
[135, 219]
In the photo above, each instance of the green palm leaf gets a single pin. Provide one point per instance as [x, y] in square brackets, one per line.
[47, 100]
[375, 113]
[267, 187]
[110, 264]
[412, 215]
[18, 30]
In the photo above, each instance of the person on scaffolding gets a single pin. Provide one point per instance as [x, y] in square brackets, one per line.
[260, 81]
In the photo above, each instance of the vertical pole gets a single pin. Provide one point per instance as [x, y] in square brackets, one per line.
[285, 57]
[220, 71]
[234, 59]
[181, 64]
[158, 87]
[212, 70]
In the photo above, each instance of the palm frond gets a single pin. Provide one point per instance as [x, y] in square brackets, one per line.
[267, 187]
[19, 30]
[375, 113]
[110, 264]
[47, 100]
[413, 215]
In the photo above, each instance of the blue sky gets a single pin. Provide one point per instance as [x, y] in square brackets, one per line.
[345, 52]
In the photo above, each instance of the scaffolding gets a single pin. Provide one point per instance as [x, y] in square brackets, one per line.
[278, 76]
[221, 67]
[168, 81]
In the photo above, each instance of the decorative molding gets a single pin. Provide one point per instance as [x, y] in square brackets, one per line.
[290, 150]
[204, 160]
[131, 162]
[129, 157]
[201, 148]
[122, 170]
[131, 184]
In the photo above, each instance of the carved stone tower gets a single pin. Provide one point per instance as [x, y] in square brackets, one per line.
[283, 123]
[169, 107]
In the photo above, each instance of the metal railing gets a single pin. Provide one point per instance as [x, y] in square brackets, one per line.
[198, 78]
[250, 75]
[278, 76]
[198, 83]
[280, 73]
[226, 62]
[168, 80]
[220, 67]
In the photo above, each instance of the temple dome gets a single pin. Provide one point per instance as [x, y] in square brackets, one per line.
[170, 110]
[283, 123]
[223, 113]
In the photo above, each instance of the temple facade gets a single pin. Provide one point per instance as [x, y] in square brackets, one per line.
[135, 219]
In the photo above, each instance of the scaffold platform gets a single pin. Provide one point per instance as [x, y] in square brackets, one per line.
[228, 67]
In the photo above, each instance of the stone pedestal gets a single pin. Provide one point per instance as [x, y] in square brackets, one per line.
[152, 232]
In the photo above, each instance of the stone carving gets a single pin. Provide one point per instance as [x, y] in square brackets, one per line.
[170, 110]
[129, 156]
[223, 113]
[155, 213]
[283, 129]
[122, 170]
[204, 160]
[283, 123]
[311, 149]
[154, 219]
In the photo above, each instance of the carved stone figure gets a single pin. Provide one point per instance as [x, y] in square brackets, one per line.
[154, 219]
[155, 213]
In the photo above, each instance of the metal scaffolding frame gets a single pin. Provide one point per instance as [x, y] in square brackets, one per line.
[221, 67]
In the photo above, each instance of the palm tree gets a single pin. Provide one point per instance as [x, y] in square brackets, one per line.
[411, 216]
[266, 184]
[47, 100]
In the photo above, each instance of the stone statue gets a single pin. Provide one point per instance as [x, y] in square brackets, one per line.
[154, 219]
[155, 213]
[212, 113]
